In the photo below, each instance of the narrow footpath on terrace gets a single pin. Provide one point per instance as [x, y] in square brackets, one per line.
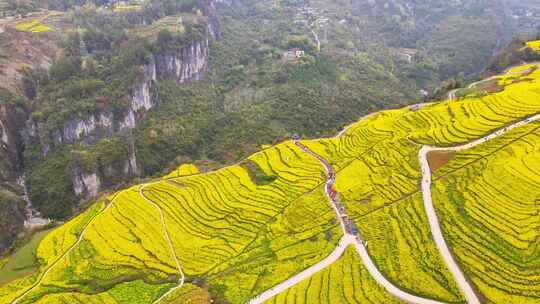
[169, 242]
[68, 251]
[434, 224]
[82, 234]
[351, 236]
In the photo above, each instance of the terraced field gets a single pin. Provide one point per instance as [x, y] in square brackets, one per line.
[379, 176]
[241, 230]
[346, 281]
[34, 26]
[183, 170]
[494, 226]
[221, 222]
[534, 45]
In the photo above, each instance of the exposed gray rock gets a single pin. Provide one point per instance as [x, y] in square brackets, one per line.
[189, 64]
[18, 130]
[11, 121]
[85, 184]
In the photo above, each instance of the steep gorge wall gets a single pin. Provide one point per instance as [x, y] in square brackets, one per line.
[11, 120]
[12, 205]
[20, 134]
[188, 64]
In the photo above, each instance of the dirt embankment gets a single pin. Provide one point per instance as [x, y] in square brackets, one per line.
[437, 159]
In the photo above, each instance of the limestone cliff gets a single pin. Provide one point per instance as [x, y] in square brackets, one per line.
[190, 63]
[12, 206]
[11, 120]
[24, 139]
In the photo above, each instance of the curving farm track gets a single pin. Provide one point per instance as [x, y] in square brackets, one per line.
[81, 236]
[350, 237]
[434, 225]
[79, 239]
[360, 245]
[169, 242]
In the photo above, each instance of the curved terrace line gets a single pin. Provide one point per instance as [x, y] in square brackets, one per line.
[347, 239]
[452, 95]
[434, 224]
[351, 236]
[344, 243]
[169, 242]
[81, 236]
[40, 280]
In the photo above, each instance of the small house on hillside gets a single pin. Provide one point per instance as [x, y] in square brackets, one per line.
[406, 54]
[294, 53]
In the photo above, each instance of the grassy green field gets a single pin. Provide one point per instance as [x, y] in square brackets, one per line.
[241, 230]
[23, 261]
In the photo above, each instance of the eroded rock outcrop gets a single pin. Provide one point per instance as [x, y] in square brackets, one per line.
[12, 119]
[190, 63]
[12, 205]
[18, 131]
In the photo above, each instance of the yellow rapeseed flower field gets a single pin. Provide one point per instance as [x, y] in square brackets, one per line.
[493, 225]
[379, 175]
[34, 26]
[344, 282]
[534, 45]
[183, 170]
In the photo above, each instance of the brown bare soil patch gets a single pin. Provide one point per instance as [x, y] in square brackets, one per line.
[437, 159]
[491, 86]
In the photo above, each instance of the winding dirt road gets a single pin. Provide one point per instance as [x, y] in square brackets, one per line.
[436, 231]
[452, 94]
[345, 241]
[350, 237]
[381, 280]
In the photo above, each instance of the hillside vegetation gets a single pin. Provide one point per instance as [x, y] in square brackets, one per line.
[243, 229]
[358, 57]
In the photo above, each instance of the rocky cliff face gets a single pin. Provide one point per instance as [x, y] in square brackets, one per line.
[12, 215]
[188, 64]
[11, 121]
[12, 205]
[212, 18]
[19, 132]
